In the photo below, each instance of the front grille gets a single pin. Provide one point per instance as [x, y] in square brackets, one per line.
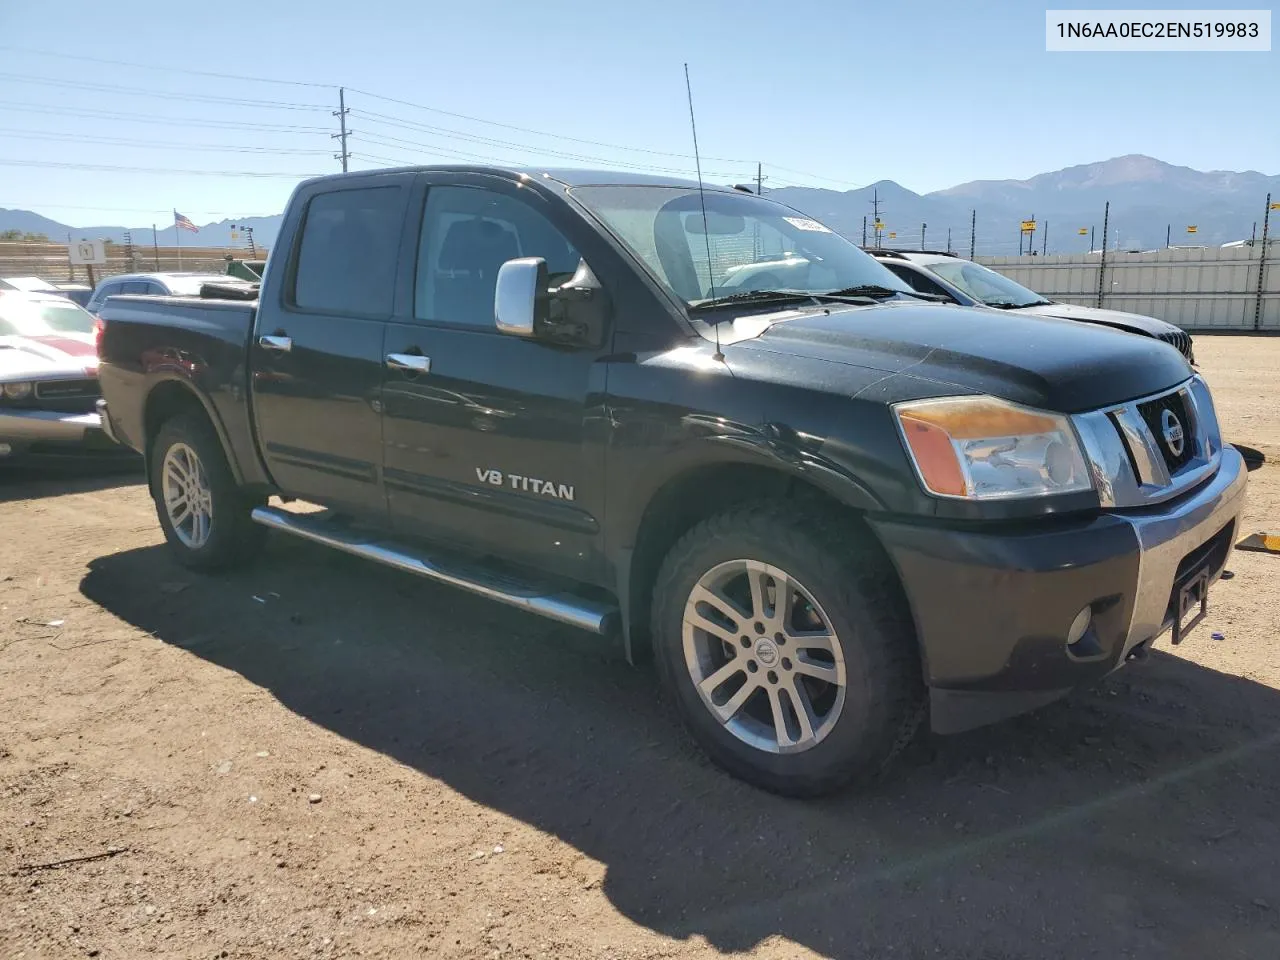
[59, 396]
[67, 389]
[1153, 412]
[1179, 340]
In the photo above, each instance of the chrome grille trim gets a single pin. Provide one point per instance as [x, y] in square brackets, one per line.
[1128, 468]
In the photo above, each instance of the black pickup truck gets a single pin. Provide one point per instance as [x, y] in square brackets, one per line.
[702, 422]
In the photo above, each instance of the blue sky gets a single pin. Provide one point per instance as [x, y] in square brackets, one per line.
[834, 94]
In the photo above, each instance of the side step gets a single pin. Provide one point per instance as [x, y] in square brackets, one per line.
[590, 615]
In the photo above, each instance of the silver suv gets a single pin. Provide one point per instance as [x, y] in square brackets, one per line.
[973, 285]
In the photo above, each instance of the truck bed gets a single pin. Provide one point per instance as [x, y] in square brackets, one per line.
[148, 340]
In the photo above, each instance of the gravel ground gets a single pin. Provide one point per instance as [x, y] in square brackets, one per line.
[317, 757]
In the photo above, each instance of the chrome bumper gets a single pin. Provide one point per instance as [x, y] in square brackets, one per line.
[1167, 535]
[47, 426]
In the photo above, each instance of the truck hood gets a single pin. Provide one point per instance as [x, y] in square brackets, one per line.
[1038, 361]
[1132, 322]
[62, 354]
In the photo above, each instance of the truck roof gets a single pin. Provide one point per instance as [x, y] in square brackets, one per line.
[564, 176]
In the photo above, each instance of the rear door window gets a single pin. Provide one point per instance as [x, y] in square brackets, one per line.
[347, 256]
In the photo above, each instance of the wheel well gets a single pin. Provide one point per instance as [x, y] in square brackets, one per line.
[685, 502]
[166, 401]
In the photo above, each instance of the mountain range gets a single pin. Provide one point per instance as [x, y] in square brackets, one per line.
[1147, 196]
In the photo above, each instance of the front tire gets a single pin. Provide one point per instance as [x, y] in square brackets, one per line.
[784, 640]
[204, 514]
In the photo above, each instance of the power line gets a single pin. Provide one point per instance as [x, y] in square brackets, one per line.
[167, 121]
[109, 168]
[380, 139]
[166, 69]
[72, 206]
[157, 144]
[144, 92]
[539, 133]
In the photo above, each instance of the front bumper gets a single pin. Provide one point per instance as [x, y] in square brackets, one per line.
[993, 608]
[23, 431]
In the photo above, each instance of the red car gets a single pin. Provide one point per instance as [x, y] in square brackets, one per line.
[48, 379]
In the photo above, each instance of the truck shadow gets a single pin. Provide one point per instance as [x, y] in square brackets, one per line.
[1139, 819]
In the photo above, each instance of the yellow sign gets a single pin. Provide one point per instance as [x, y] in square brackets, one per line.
[1275, 206]
[879, 225]
[893, 236]
[235, 234]
[1192, 229]
[1028, 226]
[1083, 231]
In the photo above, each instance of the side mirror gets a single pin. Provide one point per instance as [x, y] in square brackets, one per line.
[520, 299]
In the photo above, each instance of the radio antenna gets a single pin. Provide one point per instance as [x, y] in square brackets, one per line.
[702, 200]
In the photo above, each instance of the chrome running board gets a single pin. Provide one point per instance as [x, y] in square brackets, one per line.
[591, 615]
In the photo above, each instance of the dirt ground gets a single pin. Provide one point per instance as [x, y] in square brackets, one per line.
[319, 757]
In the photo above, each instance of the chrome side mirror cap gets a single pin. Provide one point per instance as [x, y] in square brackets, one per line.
[520, 299]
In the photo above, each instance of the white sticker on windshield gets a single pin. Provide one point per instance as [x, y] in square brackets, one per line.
[804, 223]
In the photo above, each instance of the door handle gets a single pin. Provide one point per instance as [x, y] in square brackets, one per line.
[275, 342]
[409, 362]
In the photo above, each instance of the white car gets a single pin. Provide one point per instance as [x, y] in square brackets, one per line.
[48, 378]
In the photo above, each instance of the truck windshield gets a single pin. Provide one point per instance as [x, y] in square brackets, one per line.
[38, 318]
[748, 244]
[983, 283]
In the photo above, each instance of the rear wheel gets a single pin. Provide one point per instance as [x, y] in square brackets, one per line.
[783, 639]
[204, 515]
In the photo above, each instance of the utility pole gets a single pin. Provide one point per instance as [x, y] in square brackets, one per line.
[71, 267]
[922, 226]
[1262, 265]
[1044, 249]
[155, 245]
[760, 179]
[864, 229]
[1168, 235]
[875, 214]
[948, 239]
[1091, 239]
[1253, 238]
[973, 231]
[1102, 263]
[342, 124]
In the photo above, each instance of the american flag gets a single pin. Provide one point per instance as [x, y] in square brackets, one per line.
[183, 223]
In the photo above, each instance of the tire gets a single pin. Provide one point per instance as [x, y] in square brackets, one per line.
[187, 447]
[863, 697]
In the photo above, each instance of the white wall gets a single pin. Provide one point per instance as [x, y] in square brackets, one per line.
[1210, 288]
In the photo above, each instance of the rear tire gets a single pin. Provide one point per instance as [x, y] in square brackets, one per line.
[773, 610]
[204, 514]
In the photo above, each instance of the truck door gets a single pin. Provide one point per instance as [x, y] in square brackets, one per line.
[316, 353]
[486, 436]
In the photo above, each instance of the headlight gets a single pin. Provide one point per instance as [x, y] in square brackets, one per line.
[984, 448]
[17, 391]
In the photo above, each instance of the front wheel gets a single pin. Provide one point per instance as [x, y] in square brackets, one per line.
[204, 514]
[783, 638]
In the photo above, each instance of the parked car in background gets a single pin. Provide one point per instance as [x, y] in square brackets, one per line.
[48, 379]
[156, 285]
[77, 293]
[973, 285]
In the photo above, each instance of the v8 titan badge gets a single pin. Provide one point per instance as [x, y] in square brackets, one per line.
[546, 488]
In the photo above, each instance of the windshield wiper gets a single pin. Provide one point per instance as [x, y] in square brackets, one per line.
[1003, 305]
[756, 296]
[874, 291]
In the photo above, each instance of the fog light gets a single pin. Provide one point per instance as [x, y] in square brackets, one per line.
[1079, 626]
